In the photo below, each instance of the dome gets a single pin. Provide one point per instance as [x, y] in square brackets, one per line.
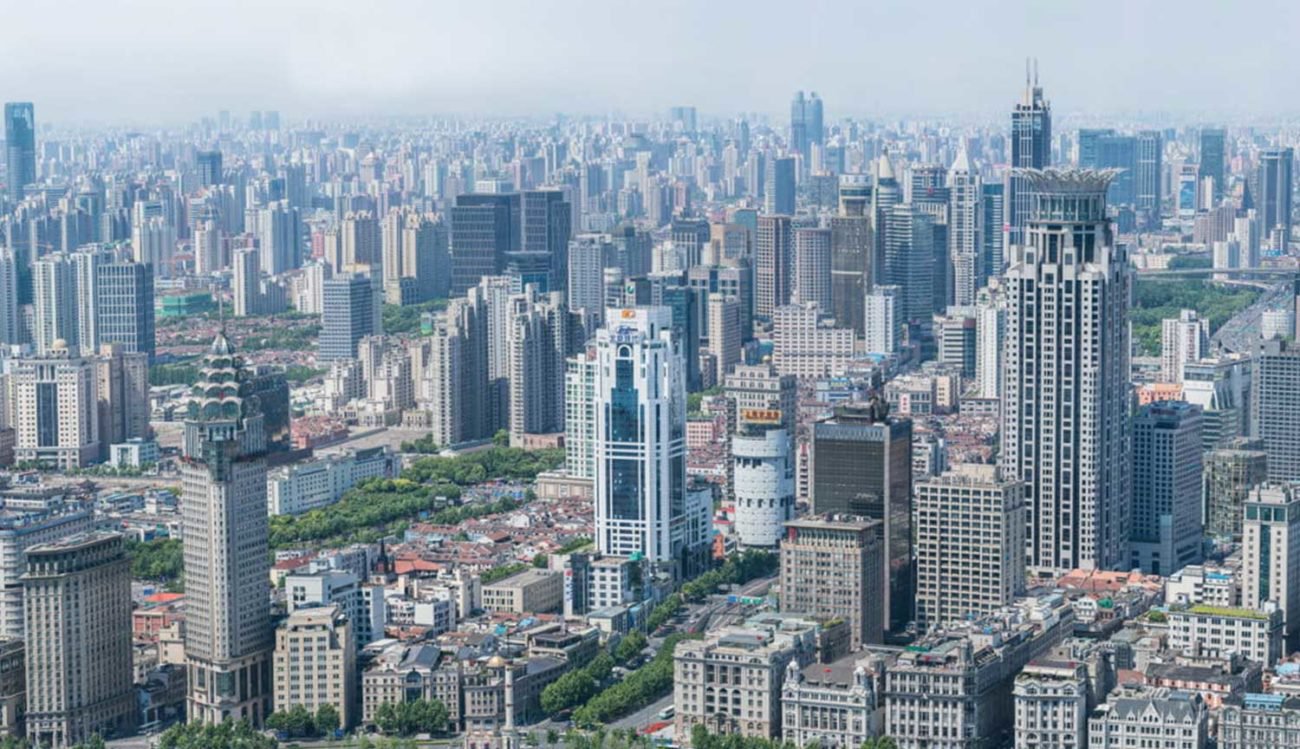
[496, 661]
[221, 345]
[59, 345]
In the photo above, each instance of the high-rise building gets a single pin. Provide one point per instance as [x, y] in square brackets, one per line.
[124, 307]
[316, 662]
[1066, 430]
[1270, 552]
[640, 435]
[86, 266]
[909, 259]
[1274, 418]
[55, 293]
[774, 264]
[80, 682]
[586, 285]
[763, 482]
[540, 335]
[10, 323]
[1148, 178]
[993, 234]
[544, 234]
[349, 316]
[1166, 522]
[208, 164]
[862, 465]
[884, 320]
[806, 345]
[806, 123]
[122, 387]
[228, 634]
[1231, 472]
[280, 239]
[20, 147]
[691, 238]
[965, 234]
[812, 267]
[970, 544]
[1183, 339]
[990, 334]
[1273, 195]
[484, 228]
[779, 194]
[723, 331]
[1031, 148]
[56, 415]
[1213, 153]
[757, 390]
[580, 414]
[836, 568]
[851, 242]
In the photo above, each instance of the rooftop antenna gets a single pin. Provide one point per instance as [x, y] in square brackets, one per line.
[221, 313]
[1035, 72]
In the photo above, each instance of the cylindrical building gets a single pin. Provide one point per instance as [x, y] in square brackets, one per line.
[764, 485]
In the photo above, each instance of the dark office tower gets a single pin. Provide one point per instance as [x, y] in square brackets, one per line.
[1090, 146]
[683, 118]
[690, 238]
[1148, 176]
[1066, 425]
[1119, 152]
[124, 306]
[861, 465]
[851, 253]
[993, 251]
[633, 250]
[799, 124]
[349, 316]
[1213, 158]
[295, 186]
[774, 264]
[816, 124]
[778, 195]
[209, 164]
[1273, 195]
[908, 240]
[20, 147]
[484, 230]
[545, 231]
[1031, 147]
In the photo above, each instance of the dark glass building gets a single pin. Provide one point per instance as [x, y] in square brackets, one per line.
[20, 147]
[125, 306]
[485, 229]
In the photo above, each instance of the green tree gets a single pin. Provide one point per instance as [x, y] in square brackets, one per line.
[501, 438]
[327, 719]
[540, 561]
[600, 668]
[227, 735]
[570, 690]
[630, 646]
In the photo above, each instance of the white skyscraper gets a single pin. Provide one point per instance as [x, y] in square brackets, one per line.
[640, 437]
[1066, 430]
[884, 320]
[207, 248]
[990, 329]
[1182, 339]
[763, 477]
[964, 227]
[1270, 557]
[153, 238]
[54, 293]
[228, 635]
[587, 254]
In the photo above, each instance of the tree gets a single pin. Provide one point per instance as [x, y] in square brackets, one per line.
[327, 719]
[630, 646]
[540, 561]
[228, 735]
[600, 667]
[501, 438]
[570, 690]
[552, 736]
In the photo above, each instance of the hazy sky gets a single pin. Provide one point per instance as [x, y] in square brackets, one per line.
[149, 61]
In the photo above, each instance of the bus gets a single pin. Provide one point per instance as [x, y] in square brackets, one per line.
[667, 713]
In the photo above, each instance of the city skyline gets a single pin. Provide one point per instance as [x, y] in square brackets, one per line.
[510, 58]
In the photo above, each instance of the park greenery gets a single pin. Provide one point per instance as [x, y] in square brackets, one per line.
[160, 560]
[227, 735]
[422, 445]
[281, 338]
[577, 686]
[405, 320]
[377, 507]
[702, 738]
[296, 374]
[695, 401]
[409, 718]
[299, 722]
[1157, 300]
[640, 688]
[177, 373]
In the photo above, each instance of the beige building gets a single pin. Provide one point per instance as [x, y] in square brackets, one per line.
[78, 637]
[529, 592]
[835, 569]
[970, 544]
[731, 681]
[316, 662]
[56, 413]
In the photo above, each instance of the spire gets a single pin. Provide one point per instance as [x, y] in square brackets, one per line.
[962, 163]
[884, 168]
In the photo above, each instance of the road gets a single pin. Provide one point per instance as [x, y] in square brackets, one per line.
[645, 716]
[1241, 333]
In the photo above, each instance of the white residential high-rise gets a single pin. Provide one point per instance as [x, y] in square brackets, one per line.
[724, 333]
[86, 264]
[280, 241]
[1270, 558]
[153, 237]
[538, 336]
[884, 320]
[1182, 339]
[965, 231]
[587, 253]
[1066, 430]
[56, 413]
[806, 345]
[640, 443]
[990, 329]
[54, 296]
[580, 414]
[228, 634]
[207, 248]
[1167, 472]
[246, 284]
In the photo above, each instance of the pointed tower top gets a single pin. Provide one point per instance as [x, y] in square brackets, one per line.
[884, 167]
[962, 162]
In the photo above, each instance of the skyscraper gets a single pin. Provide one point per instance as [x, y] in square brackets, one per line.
[965, 234]
[544, 236]
[77, 598]
[640, 437]
[1183, 339]
[20, 147]
[1274, 418]
[1274, 185]
[484, 227]
[763, 482]
[228, 635]
[862, 465]
[774, 264]
[812, 267]
[1231, 472]
[10, 323]
[1066, 430]
[586, 288]
[1270, 552]
[1149, 177]
[1167, 528]
[851, 252]
[778, 197]
[993, 232]
[209, 166]
[349, 316]
[1031, 148]
[836, 569]
[54, 291]
[908, 239]
[56, 414]
[1213, 153]
[280, 242]
[884, 320]
[125, 307]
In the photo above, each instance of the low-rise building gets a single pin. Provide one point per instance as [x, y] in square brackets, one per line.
[135, 453]
[1136, 717]
[295, 489]
[399, 672]
[1260, 721]
[1051, 703]
[837, 705]
[1219, 631]
[1208, 584]
[531, 591]
[362, 603]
